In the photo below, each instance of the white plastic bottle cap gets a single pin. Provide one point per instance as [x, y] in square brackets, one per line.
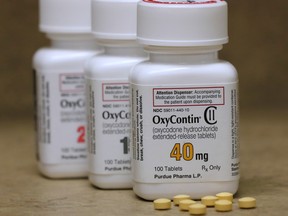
[182, 22]
[114, 19]
[65, 16]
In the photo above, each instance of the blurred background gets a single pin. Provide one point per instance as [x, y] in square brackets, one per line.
[258, 48]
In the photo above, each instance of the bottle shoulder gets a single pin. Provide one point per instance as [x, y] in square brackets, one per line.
[105, 66]
[151, 73]
[50, 58]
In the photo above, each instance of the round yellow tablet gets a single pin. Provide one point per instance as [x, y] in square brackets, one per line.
[209, 200]
[247, 202]
[223, 205]
[178, 198]
[162, 204]
[197, 209]
[225, 196]
[184, 204]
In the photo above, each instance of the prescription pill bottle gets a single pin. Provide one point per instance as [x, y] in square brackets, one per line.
[60, 87]
[184, 102]
[114, 27]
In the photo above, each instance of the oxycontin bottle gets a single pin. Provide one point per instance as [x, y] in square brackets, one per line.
[114, 26]
[184, 102]
[60, 87]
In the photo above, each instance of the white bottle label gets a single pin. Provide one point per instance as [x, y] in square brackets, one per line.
[109, 127]
[185, 134]
[184, 1]
[61, 118]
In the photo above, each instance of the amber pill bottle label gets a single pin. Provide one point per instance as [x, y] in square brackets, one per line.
[185, 133]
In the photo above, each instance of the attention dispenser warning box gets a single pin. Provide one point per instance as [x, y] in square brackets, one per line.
[115, 92]
[72, 82]
[169, 97]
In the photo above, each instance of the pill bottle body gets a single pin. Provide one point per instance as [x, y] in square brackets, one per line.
[60, 105]
[184, 123]
[109, 114]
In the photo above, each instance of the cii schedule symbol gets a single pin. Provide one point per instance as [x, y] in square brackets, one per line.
[210, 115]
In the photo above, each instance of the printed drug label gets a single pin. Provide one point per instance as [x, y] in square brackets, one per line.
[190, 132]
[61, 118]
[109, 127]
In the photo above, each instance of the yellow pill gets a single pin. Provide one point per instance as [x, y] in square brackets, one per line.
[162, 204]
[178, 198]
[197, 209]
[225, 196]
[209, 200]
[247, 202]
[184, 204]
[223, 205]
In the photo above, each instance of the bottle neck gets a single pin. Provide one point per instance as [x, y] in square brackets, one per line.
[182, 55]
[123, 48]
[73, 41]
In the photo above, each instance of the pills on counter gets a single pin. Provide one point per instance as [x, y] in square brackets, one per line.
[162, 204]
[209, 200]
[197, 209]
[184, 204]
[178, 198]
[225, 196]
[247, 202]
[223, 205]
